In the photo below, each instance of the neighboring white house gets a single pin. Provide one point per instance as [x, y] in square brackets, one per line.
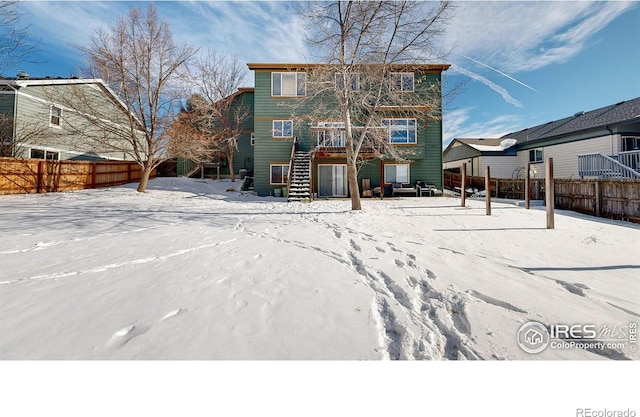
[499, 154]
[47, 118]
[599, 143]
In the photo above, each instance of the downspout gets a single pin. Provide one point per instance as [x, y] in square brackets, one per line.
[611, 134]
[15, 112]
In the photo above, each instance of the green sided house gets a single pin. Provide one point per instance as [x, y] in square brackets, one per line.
[285, 144]
[239, 121]
[46, 118]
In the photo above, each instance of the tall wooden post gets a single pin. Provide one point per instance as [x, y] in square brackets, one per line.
[527, 187]
[549, 193]
[40, 177]
[487, 190]
[598, 198]
[93, 168]
[463, 186]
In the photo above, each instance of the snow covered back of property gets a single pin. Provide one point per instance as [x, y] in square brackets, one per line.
[189, 270]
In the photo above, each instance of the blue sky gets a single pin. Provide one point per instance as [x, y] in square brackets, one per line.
[524, 63]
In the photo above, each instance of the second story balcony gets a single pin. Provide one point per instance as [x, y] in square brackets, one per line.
[328, 141]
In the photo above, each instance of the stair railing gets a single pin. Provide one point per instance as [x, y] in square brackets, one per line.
[603, 166]
[294, 148]
[630, 159]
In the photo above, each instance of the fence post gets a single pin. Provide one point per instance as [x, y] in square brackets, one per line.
[549, 193]
[463, 186]
[93, 175]
[129, 172]
[39, 177]
[487, 190]
[527, 187]
[598, 197]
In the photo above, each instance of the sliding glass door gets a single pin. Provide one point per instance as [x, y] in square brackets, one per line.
[332, 180]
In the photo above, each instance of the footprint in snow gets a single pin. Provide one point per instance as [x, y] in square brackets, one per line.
[173, 314]
[123, 336]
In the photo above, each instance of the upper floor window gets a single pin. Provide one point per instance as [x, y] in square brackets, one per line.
[535, 155]
[331, 134]
[354, 81]
[402, 81]
[282, 129]
[56, 114]
[288, 84]
[401, 130]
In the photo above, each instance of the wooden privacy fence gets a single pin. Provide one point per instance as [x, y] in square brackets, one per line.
[18, 176]
[611, 198]
[500, 187]
[616, 199]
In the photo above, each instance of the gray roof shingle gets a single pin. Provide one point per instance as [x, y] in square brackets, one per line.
[617, 113]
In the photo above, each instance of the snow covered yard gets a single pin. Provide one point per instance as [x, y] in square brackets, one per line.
[191, 271]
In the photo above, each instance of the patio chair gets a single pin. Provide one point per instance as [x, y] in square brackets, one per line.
[367, 191]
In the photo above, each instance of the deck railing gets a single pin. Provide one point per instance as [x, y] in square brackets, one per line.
[603, 166]
[630, 159]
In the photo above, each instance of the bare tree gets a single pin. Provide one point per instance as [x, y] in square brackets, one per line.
[13, 38]
[14, 137]
[366, 46]
[186, 139]
[138, 58]
[216, 112]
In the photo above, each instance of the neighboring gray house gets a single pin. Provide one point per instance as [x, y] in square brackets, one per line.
[499, 154]
[35, 124]
[599, 143]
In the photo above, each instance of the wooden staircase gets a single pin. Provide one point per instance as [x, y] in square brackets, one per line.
[300, 181]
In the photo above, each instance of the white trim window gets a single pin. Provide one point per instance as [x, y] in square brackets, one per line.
[396, 173]
[55, 115]
[355, 81]
[331, 134]
[278, 174]
[288, 84]
[282, 129]
[401, 131]
[402, 81]
[630, 143]
[253, 139]
[535, 155]
[43, 154]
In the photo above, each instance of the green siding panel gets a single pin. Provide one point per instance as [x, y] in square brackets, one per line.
[425, 157]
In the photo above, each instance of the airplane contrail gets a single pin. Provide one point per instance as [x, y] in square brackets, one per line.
[500, 90]
[501, 73]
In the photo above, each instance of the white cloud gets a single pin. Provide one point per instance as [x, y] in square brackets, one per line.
[456, 125]
[525, 36]
[515, 37]
[252, 31]
[69, 23]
